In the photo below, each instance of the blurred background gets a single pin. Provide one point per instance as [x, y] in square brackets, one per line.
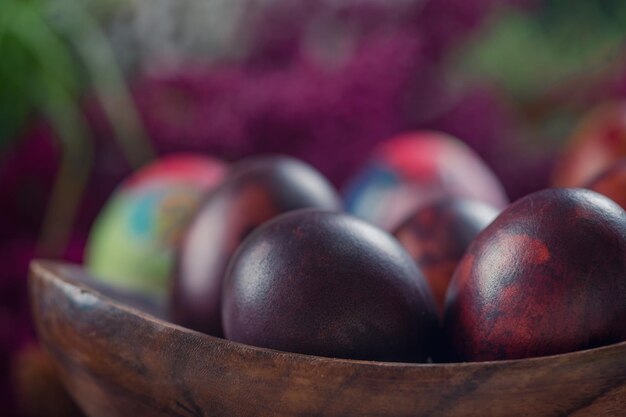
[91, 90]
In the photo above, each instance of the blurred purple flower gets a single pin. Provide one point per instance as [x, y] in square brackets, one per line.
[305, 109]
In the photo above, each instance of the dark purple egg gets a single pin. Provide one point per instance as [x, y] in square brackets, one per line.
[328, 284]
[548, 276]
[255, 191]
[438, 234]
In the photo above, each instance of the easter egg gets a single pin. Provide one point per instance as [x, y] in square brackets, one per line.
[414, 169]
[255, 191]
[325, 283]
[596, 144]
[612, 183]
[438, 234]
[547, 276]
[134, 239]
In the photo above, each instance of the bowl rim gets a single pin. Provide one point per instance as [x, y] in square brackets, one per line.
[52, 271]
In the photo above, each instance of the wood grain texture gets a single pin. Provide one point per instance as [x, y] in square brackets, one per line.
[118, 361]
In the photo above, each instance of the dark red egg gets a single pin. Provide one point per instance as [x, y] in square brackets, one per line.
[328, 284]
[255, 191]
[595, 145]
[548, 276]
[612, 183]
[438, 234]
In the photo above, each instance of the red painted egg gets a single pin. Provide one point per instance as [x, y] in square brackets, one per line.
[548, 276]
[438, 234]
[612, 183]
[596, 144]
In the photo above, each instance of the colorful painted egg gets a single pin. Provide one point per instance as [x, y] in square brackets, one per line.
[134, 239]
[417, 168]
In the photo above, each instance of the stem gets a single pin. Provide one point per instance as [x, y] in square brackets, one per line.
[71, 179]
[108, 82]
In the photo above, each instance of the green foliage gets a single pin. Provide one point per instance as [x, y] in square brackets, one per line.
[37, 70]
[50, 53]
[525, 52]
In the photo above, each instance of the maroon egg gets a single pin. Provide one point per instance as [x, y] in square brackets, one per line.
[437, 236]
[328, 284]
[547, 276]
[612, 183]
[596, 144]
[255, 191]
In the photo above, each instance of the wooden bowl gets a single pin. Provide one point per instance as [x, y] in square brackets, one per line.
[118, 361]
